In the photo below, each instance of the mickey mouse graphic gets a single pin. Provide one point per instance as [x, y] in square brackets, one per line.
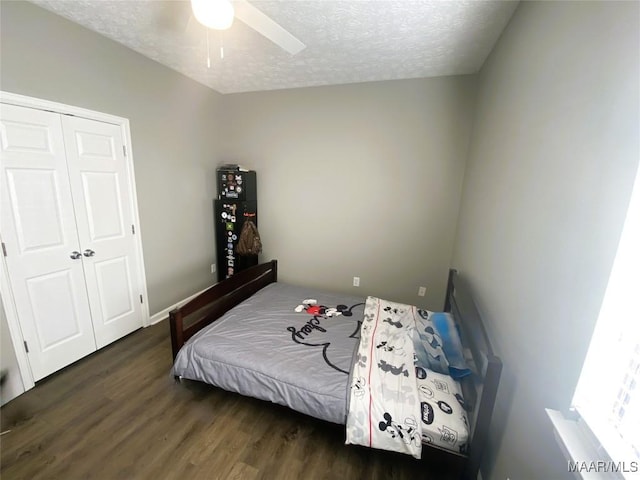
[407, 432]
[311, 306]
[358, 386]
[314, 332]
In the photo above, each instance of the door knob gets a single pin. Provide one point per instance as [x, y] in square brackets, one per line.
[75, 255]
[88, 253]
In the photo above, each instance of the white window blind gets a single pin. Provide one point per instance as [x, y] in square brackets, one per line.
[608, 393]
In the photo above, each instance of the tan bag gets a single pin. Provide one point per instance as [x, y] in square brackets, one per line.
[249, 242]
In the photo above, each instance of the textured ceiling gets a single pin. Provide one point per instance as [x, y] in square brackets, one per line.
[348, 41]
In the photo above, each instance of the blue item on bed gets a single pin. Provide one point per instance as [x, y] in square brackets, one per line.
[451, 344]
[428, 345]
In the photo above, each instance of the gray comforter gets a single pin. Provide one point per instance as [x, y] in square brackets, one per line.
[281, 346]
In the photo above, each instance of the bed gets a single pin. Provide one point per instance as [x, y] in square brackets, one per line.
[338, 357]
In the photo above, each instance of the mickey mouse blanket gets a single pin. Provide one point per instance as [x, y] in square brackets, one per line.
[384, 407]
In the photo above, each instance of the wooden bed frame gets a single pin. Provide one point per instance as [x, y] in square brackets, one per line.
[217, 300]
[479, 389]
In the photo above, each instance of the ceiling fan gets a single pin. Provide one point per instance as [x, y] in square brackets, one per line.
[219, 15]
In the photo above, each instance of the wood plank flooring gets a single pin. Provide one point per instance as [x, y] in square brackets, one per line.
[118, 414]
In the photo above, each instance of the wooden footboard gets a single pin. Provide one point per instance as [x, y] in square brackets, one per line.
[217, 300]
[480, 389]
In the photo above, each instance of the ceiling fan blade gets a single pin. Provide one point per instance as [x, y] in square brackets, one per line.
[264, 25]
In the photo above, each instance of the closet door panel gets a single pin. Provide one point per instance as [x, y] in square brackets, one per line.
[39, 231]
[99, 177]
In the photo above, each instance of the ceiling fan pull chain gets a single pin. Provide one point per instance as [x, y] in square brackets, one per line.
[208, 52]
[221, 46]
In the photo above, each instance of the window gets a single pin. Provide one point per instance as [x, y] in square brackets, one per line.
[607, 396]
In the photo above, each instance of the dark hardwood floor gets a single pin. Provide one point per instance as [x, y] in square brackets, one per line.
[118, 414]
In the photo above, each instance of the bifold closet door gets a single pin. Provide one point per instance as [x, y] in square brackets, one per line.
[100, 185]
[40, 235]
[67, 225]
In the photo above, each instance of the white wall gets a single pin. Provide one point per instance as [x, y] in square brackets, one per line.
[357, 180]
[552, 159]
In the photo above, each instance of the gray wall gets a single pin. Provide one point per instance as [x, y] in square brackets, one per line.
[552, 160]
[357, 180]
[366, 164]
[356, 168]
[173, 128]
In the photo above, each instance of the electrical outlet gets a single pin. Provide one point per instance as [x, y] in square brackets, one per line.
[213, 268]
[422, 291]
[356, 281]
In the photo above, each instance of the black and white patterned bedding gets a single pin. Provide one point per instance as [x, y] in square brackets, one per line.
[444, 419]
[297, 347]
[396, 403]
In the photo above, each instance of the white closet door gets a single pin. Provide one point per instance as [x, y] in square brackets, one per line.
[104, 216]
[39, 232]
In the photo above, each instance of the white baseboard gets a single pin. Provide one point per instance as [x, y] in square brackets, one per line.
[162, 314]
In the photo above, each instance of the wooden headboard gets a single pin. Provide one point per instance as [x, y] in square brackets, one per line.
[479, 389]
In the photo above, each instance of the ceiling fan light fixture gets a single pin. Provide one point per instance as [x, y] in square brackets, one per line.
[216, 14]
